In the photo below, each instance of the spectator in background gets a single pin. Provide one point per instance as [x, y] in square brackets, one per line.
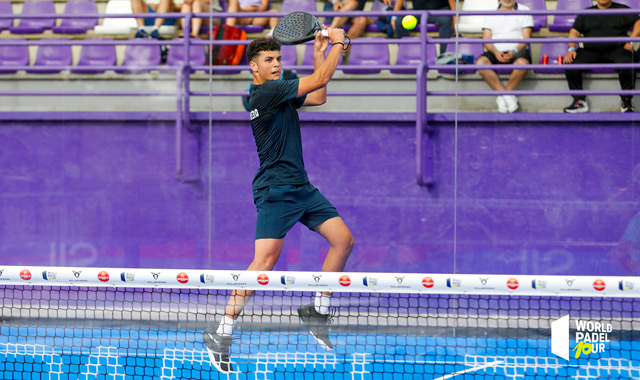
[199, 6]
[514, 26]
[252, 6]
[164, 6]
[601, 25]
[358, 24]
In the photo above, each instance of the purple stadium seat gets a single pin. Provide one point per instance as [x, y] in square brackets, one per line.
[307, 58]
[5, 8]
[35, 25]
[78, 25]
[52, 55]
[552, 50]
[539, 21]
[410, 55]
[176, 54]
[474, 50]
[563, 23]
[96, 55]
[289, 56]
[13, 56]
[137, 58]
[365, 54]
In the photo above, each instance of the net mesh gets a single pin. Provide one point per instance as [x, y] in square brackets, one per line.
[119, 332]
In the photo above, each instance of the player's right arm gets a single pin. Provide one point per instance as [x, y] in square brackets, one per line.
[323, 74]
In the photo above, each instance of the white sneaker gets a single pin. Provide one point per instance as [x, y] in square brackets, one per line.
[512, 103]
[502, 104]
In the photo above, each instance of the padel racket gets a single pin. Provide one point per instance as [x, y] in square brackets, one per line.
[298, 27]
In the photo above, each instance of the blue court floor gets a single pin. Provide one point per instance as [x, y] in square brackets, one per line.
[66, 353]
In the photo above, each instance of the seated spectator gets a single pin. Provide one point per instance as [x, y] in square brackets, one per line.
[164, 6]
[199, 6]
[252, 6]
[601, 25]
[514, 26]
[358, 24]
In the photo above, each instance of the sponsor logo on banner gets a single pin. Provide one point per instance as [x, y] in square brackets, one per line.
[287, 280]
[76, 276]
[25, 274]
[207, 278]
[453, 283]
[182, 278]
[538, 284]
[599, 285]
[316, 280]
[235, 277]
[263, 279]
[484, 281]
[626, 285]
[569, 288]
[591, 337]
[512, 284]
[369, 281]
[103, 276]
[48, 275]
[155, 275]
[400, 280]
[344, 280]
[127, 277]
[3, 278]
[427, 282]
[156, 278]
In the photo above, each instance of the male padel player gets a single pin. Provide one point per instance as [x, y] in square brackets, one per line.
[281, 190]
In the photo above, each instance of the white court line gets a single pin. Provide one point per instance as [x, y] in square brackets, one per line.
[492, 364]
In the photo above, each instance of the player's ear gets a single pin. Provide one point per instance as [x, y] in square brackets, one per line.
[254, 66]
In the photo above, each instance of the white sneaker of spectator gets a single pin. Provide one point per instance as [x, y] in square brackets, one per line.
[511, 102]
[502, 104]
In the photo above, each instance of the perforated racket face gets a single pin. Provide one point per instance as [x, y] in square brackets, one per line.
[296, 28]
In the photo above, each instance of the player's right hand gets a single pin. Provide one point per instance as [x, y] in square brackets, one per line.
[336, 35]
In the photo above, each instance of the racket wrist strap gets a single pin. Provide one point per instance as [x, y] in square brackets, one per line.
[339, 43]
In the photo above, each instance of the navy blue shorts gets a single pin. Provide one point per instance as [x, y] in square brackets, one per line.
[281, 207]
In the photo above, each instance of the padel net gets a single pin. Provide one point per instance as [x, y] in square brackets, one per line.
[118, 323]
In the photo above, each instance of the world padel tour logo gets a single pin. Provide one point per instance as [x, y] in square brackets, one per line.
[344, 280]
[263, 279]
[103, 276]
[182, 278]
[25, 274]
[591, 337]
[427, 282]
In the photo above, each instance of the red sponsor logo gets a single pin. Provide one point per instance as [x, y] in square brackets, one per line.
[344, 280]
[182, 278]
[512, 283]
[263, 279]
[25, 275]
[427, 282]
[599, 285]
[103, 276]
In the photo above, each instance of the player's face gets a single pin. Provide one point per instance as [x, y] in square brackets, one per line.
[604, 3]
[268, 65]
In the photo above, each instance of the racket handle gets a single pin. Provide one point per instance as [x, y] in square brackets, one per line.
[324, 33]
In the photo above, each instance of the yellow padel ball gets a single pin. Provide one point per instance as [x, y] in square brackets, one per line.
[409, 22]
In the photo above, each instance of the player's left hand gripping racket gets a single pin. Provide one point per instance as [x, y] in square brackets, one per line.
[298, 27]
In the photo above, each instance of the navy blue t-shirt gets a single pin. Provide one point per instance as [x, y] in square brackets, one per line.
[276, 128]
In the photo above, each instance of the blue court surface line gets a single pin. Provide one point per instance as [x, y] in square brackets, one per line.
[69, 353]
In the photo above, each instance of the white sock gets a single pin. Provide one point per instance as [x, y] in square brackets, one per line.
[322, 303]
[226, 326]
[141, 28]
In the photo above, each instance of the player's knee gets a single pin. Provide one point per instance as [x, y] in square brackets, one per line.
[345, 243]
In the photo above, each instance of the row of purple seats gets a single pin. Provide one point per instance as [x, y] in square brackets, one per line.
[39, 25]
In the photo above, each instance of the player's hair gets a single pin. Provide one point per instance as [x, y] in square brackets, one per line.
[261, 44]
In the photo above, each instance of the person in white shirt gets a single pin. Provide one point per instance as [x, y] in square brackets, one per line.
[514, 26]
[252, 6]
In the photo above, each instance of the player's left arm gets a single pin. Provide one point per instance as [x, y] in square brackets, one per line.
[319, 96]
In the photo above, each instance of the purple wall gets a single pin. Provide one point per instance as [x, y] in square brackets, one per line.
[538, 198]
